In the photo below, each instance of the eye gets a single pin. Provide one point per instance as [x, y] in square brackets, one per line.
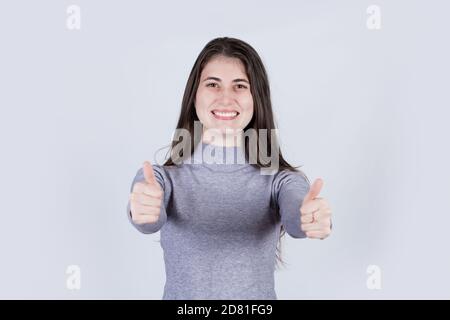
[241, 86]
[211, 84]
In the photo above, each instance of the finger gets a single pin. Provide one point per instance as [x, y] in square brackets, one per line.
[310, 207]
[317, 234]
[146, 219]
[306, 218]
[138, 187]
[145, 199]
[149, 174]
[141, 210]
[153, 191]
[313, 205]
[311, 227]
[322, 214]
[143, 217]
[314, 191]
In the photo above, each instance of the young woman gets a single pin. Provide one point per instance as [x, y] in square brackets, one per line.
[221, 218]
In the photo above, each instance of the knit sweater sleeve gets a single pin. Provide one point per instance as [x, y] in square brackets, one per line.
[288, 190]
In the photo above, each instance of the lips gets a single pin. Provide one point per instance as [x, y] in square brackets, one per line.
[225, 114]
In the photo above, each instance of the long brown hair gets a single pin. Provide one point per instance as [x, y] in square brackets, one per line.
[259, 86]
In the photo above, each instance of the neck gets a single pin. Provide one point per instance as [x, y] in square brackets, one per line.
[230, 138]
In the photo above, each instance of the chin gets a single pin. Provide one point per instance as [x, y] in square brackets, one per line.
[223, 129]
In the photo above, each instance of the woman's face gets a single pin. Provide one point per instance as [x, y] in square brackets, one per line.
[223, 99]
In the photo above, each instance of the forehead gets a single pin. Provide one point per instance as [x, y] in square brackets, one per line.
[224, 67]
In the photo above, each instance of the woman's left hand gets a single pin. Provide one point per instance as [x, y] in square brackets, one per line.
[315, 213]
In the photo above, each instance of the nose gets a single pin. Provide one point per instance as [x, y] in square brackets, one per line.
[226, 97]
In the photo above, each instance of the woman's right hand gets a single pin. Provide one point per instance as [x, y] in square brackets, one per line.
[146, 198]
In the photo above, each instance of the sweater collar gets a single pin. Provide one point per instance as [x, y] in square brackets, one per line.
[206, 153]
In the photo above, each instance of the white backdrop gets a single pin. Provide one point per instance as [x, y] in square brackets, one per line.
[365, 109]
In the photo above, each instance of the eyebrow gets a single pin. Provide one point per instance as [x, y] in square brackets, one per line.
[218, 79]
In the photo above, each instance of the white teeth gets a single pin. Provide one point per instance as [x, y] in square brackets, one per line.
[226, 114]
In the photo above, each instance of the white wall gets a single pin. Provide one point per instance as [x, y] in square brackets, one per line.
[365, 110]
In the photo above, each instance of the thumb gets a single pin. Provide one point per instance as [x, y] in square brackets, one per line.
[314, 190]
[149, 174]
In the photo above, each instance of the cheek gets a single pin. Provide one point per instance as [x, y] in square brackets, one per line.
[204, 98]
[201, 104]
[247, 106]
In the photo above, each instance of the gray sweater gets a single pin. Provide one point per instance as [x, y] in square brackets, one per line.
[220, 224]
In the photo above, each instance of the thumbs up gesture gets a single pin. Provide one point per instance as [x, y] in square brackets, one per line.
[315, 213]
[146, 198]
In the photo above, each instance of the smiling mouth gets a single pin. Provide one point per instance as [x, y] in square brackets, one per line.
[225, 114]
